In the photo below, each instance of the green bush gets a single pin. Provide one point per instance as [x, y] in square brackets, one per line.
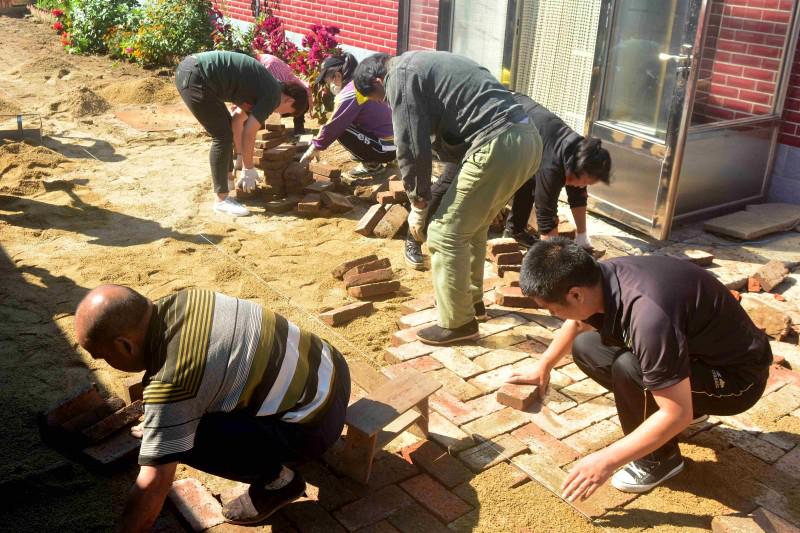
[172, 29]
[50, 5]
[92, 19]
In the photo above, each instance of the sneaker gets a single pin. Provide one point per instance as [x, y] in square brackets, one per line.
[229, 206]
[364, 170]
[439, 336]
[413, 254]
[525, 239]
[480, 312]
[699, 420]
[258, 503]
[644, 474]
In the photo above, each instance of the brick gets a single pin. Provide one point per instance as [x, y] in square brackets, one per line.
[447, 434]
[542, 470]
[513, 297]
[311, 517]
[517, 396]
[584, 390]
[542, 443]
[279, 153]
[390, 469]
[91, 417]
[407, 352]
[503, 270]
[391, 222]
[497, 358]
[771, 275]
[365, 278]
[452, 408]
[434, 460]
[511, 258]
[698, 257]
[266, 135]
[310, 204]
[404, 336]
[386, 198]
[118, 447]
[372, 266]
[87, 399]
[458, 363]
[384, 526]
[319, 187]
[491, 452]
[606, 497]
[557, 402]
[553, 423]
[769, 521]
[426, 316]
[423, 364]
[373, 508]
[753, 285]
[414, 518]
[280, 206]
[338, 203]
[132, 388]
[396, 186]
[496, 423]
[494, 379]
[485, 405]
[370, 219]
[121, 418]
[789, 352]
[573, 371]
[196, 504]
[417, 304]
[500, 246]
[594, 437]
[789, 464]
[535, 332]
[436, 498]
[323, 169]
[455, 385]
[762, 449]
[340, 270]
[374, 289]
[324, 487]
[501, 323]
[343, 315]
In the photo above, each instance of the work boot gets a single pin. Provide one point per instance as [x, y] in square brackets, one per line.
[480, 312]
[646, 473]
[438, 336]
[525, 239]
[413, 253]
[259, 503]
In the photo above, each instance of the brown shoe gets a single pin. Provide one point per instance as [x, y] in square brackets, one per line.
[258, 503]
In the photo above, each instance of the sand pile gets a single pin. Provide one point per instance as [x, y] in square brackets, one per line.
[45, 67]
[81, 102]
[141, 91]
[7, 107]
[22, 167]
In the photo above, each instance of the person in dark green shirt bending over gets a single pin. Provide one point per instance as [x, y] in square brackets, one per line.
[205, 82]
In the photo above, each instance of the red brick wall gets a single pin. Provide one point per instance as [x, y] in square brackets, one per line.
[422, 24]
[790, 129]
[368, 24]
[739, 68]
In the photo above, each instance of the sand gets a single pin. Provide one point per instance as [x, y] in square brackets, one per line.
[23, 167]
[8, 107]
[150, 90]
[81, 102]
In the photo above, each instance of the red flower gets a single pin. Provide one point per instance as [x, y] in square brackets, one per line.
[58, 26]
[57, 13]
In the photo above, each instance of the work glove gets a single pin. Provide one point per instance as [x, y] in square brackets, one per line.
[583, 240]
[416, 222]
[248, 180]
[311, 153]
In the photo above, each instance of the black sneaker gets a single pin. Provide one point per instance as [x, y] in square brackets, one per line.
[525, 239]
[258, 503]
[645, 474]
[413, 254]
[439, 336]
[480, 312]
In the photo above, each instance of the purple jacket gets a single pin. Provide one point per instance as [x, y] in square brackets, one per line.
[373, 118]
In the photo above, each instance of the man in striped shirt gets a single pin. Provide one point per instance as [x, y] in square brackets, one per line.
[230, 388]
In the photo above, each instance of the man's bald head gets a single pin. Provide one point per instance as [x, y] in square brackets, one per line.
[109, 312]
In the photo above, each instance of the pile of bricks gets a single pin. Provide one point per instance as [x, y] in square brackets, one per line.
[505, 254]
[367, 277]
[319, 196]
[274, 154]
[97, 427]
[385, 218]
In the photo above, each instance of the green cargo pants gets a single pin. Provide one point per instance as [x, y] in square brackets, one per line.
[458, 230]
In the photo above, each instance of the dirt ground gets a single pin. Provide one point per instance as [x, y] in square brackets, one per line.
[102, 202]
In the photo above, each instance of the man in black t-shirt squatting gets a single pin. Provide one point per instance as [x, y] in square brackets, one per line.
[665, 336]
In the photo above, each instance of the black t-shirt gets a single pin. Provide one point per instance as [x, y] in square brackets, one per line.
[669, 311]
[242, 80]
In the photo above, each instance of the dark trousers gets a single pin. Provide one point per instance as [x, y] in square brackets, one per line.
[521, 207]
[253, 449]
[720, 391]
[300, 124]
[365, 147]
[213, 115]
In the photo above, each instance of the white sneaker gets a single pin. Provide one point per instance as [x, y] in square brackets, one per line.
[229, 206]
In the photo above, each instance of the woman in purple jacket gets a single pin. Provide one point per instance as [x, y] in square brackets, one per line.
[365, 130]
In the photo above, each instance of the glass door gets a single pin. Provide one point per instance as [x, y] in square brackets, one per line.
[641, 89]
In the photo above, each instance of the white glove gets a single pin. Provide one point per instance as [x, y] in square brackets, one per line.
[248, 179]
[311, 153]
[583, 240]
[416, 222]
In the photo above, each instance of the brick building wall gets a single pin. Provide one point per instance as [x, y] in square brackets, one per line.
[422, 25]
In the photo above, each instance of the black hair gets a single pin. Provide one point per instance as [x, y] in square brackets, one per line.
[552, 267]
[374, 66]
[119, 315]
[299, 94]
[591, 158]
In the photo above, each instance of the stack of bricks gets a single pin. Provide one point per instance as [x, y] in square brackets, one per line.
[367, 277]
[505, 254]
[385, 218]
[319, 196]
[97, 427]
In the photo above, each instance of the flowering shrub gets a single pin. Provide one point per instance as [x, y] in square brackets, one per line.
[90, 21]
[270, 38]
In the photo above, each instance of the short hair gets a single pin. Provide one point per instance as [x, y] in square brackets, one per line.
[552, 267]
[368, 70]
[591, 158]
[299, 94]
[118, 316]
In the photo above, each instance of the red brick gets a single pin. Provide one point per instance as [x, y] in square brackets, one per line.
[436, 498]
[386, 198]
[338, 203]
[319, 186]
[340, 270]
[418, 304]
[543, 443]
[513, 297]
[91, 417]
[370, 219]
[497, 423]
[426, 316]
[500, 246]
[375, 276]
[491, 452]
[510, 258]
[372, 508]
[118, 447]
[406, 335]
[374, 289]
[423, 364]
[310, 516]
[437, 462]
[517, 396]
[311, 203]
[125, 416]
[344, 314]
[452, 408]
[196, 504]
[391, 222]
[368, 267]
[503, 269]
[86, 400]
[326, 170]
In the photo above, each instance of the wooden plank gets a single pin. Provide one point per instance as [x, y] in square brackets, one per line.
[365, 376]
[394, 428]
[387, 403]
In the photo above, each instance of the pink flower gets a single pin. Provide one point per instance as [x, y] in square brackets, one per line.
[128, 50]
